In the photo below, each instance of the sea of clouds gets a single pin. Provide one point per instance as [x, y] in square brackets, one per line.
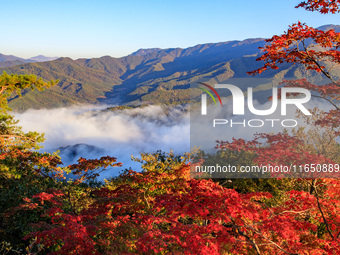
[93, 131]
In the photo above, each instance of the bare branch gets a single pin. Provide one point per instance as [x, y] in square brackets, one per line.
[273, 243]
[327, 74]
[3, 89]
[246, 236]
[328, 100]
[323, 215]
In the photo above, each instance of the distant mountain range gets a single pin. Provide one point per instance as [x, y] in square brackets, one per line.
[150, 75]
[10, 60]
[42, 58]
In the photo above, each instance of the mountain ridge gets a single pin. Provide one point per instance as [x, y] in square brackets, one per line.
[11, 60]
[151, 75]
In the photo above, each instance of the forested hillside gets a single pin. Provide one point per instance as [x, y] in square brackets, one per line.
[153, 75]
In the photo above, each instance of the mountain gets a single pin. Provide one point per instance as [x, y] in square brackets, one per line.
[11, 63]
[10, 60]
[160, 76]
[153, 75]
[330, 26]
[41, 58]
[77, 84]
[142, 52]
[5, 58]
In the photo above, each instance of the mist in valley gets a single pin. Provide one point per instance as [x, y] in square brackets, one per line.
[94, 131]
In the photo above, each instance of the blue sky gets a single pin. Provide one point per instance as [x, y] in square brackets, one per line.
[90, 28]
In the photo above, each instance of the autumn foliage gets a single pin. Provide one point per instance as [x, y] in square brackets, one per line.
[301, 44]
[162, 210]
[322, 6]
[155, 212]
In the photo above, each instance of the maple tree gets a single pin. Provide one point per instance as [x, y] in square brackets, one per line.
[318, 51]
[322, 6]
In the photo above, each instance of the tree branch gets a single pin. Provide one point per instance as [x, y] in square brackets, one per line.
[273, 243]
[318, 65]
[246, 236]
[330, 101]
[3, 89]
[323, 215]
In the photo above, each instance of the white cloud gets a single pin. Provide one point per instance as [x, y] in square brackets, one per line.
[115, 133]
[124, 133]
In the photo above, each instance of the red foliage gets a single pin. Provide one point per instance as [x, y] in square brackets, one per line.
[281, 150]
[91, 168]
[164, 211]
[292, 47]
[322, 6]
[330, 93]
[154, 212]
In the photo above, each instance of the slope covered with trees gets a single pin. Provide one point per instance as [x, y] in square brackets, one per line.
[153, 75]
